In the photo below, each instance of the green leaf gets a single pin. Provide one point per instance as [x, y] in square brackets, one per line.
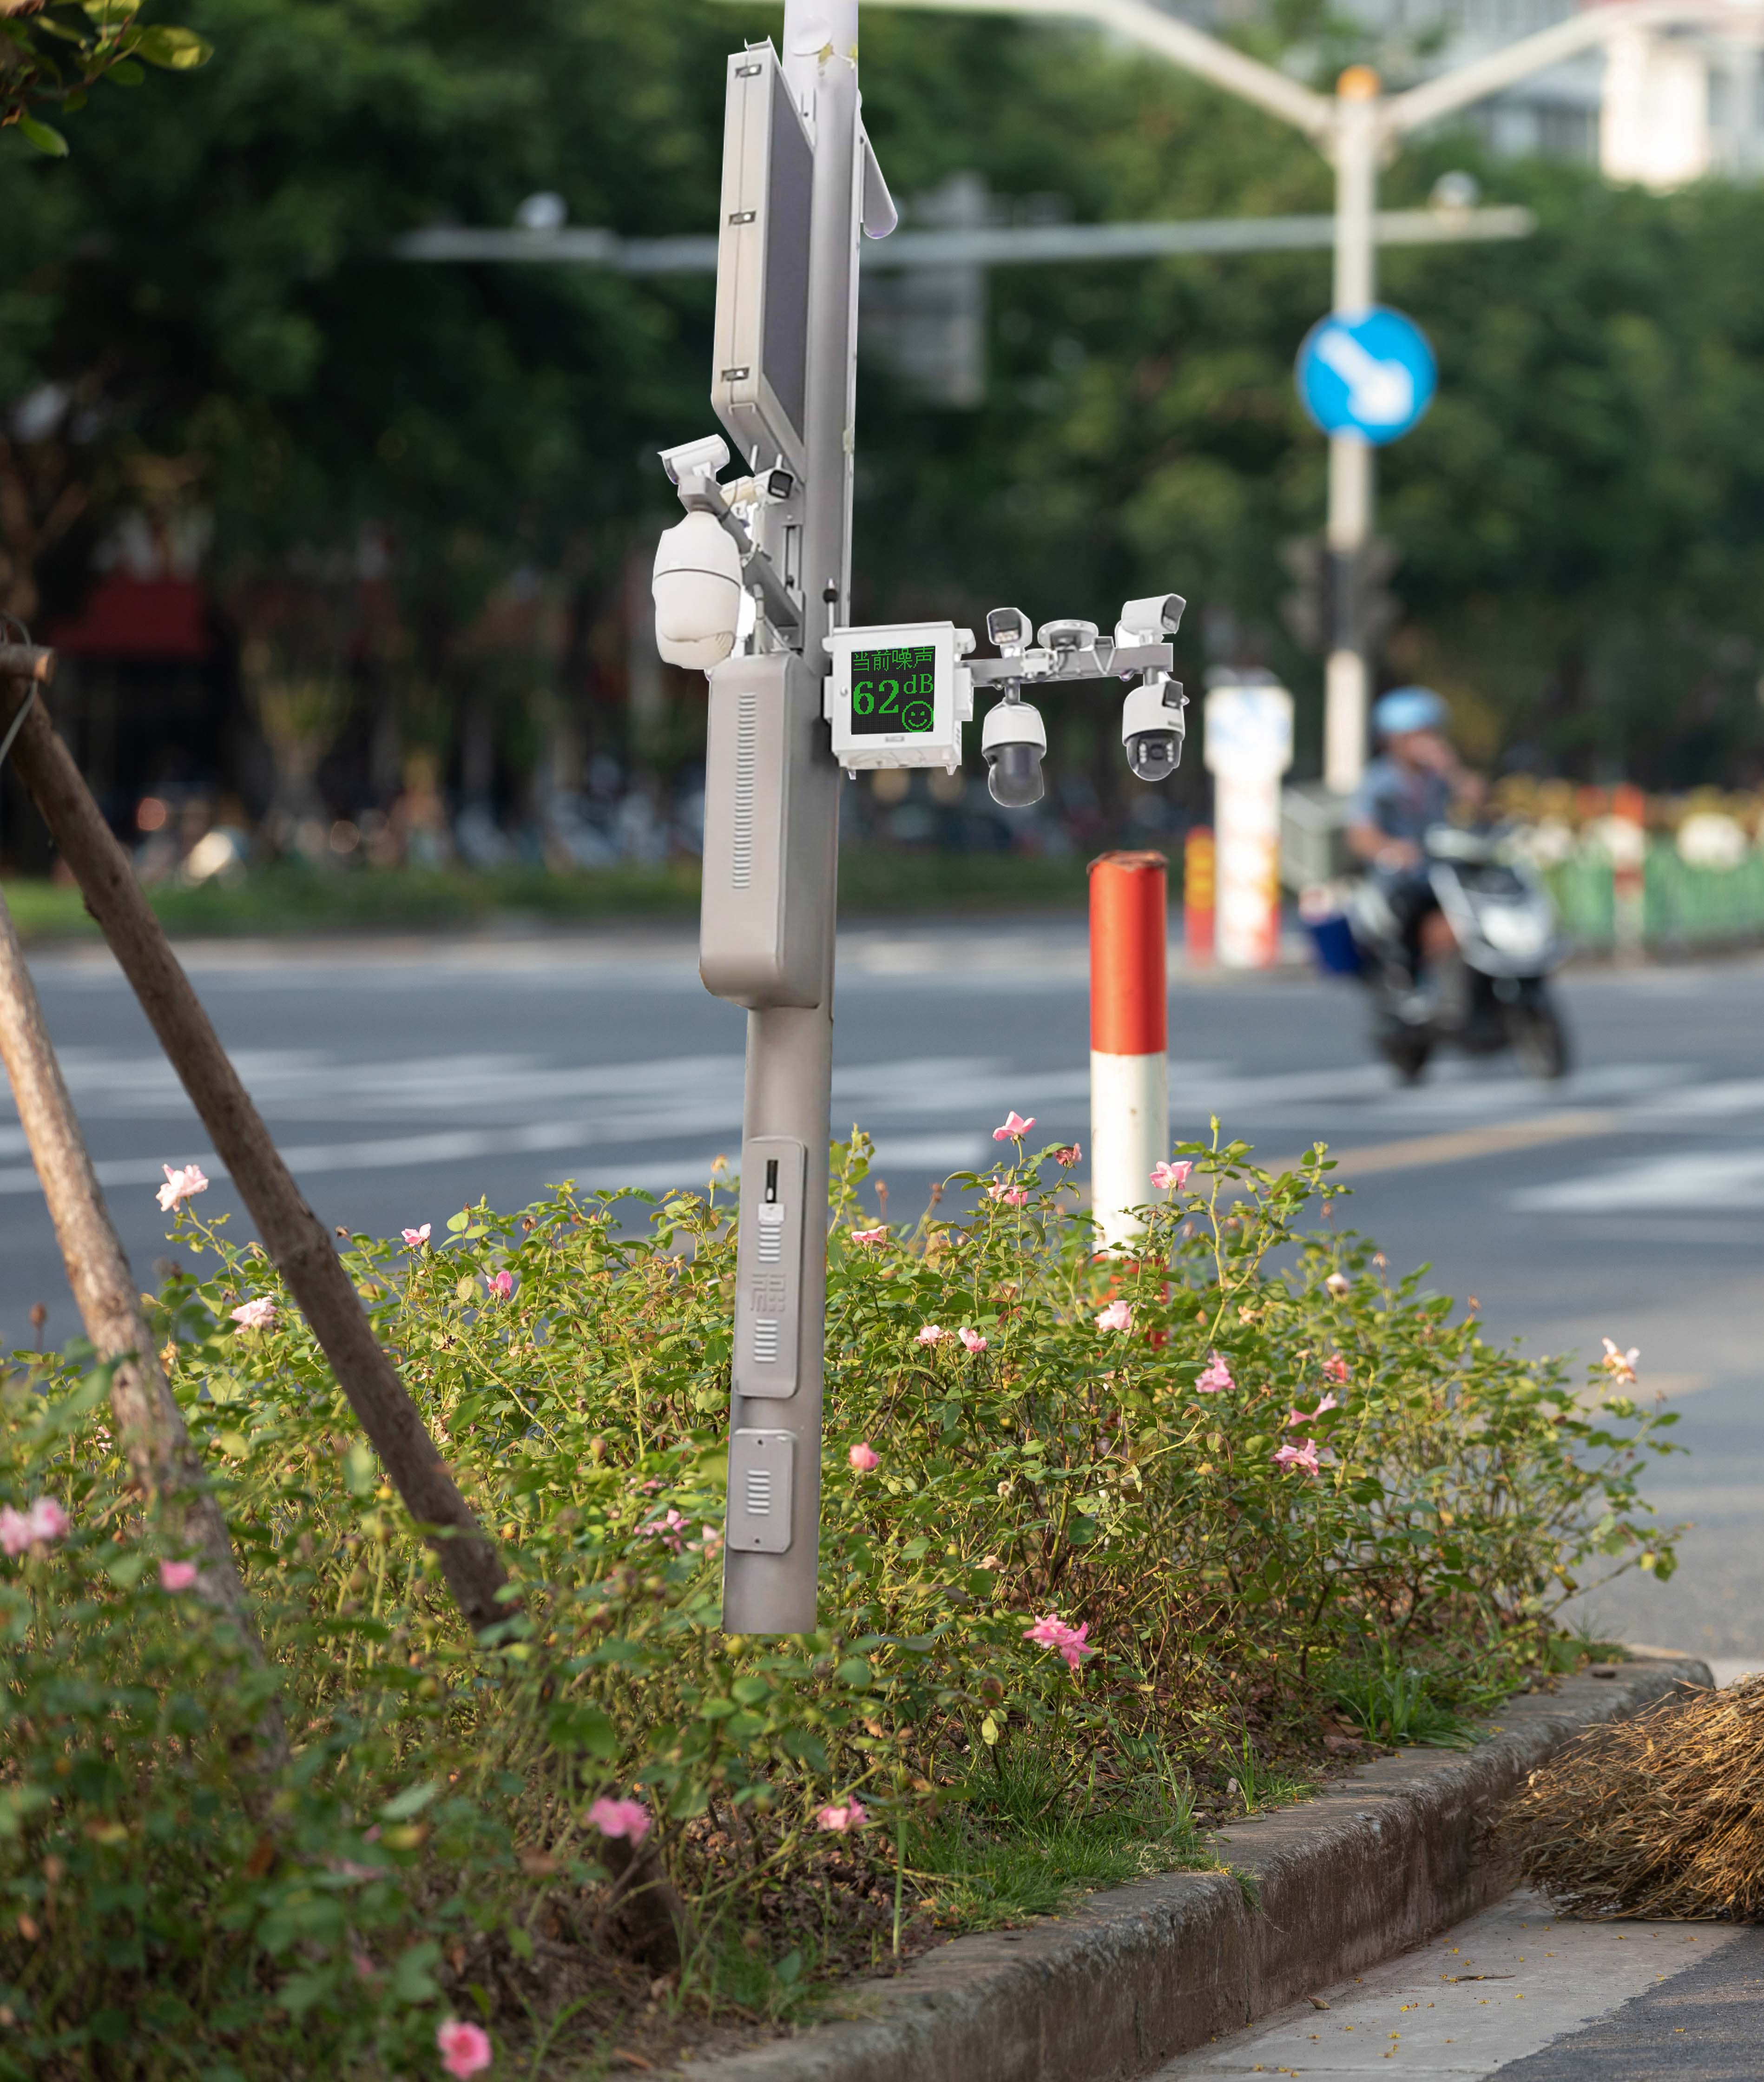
[411, 1979]
[176, 49]
[412, 1801]
[126, 72]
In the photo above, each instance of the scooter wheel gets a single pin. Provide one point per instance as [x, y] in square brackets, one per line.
[1408, 1054]
[1539, 1038]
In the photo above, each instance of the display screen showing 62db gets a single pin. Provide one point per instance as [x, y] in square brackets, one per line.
[895, 691]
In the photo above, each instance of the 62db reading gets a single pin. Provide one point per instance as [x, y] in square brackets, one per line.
[895, 690]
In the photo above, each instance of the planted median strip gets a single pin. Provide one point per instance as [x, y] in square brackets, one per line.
[1114, 1555]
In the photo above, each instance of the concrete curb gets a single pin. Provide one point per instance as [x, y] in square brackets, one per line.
[1375, 1863]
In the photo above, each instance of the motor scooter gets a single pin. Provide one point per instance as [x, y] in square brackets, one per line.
[1492, 992]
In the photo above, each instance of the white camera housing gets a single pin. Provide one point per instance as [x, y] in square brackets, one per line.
[1153, 726]
[1150, 620]
[1014, 741]
[899, 695]
[696, 588]
[701, 459]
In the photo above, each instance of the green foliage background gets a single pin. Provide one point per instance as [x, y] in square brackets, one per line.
[1582, 516]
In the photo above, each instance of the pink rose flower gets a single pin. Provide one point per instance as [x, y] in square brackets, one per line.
[1069, 1157]
[1117, 1316]
[864, 1457]
[1215, 1377]
[48, 1522]
[1335, 1368]
[1012, 1196]
[930, 1334]
[669, 1529]
[871, 1239]
[1304, 1457]
[177, 1575]
[1171, 1178]
[1014, 1127]
[1067, 1642]
[464, 2048]
[630, 1819]
[1620, 1366]
[502, 1285]
[14, 1530]
[972, 1338]
[257, 1314]
[841, 1816]
[180, 1185]
[415, 1239]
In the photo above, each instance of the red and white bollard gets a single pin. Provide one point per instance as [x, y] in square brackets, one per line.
[1626, 840]
[1129, 1075]
[1199, 893]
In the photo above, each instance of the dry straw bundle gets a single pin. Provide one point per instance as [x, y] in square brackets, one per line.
[1662, 1815]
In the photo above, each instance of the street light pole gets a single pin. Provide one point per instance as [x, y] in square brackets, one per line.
[1353, 128]
[1347, 673]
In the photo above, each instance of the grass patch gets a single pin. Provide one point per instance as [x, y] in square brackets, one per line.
[1025, 1833]
[294, 900]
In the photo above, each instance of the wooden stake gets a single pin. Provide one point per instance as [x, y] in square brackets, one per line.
[291, 1233]
[149, 1424]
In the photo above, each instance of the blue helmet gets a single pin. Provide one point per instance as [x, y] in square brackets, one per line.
[1409, 708]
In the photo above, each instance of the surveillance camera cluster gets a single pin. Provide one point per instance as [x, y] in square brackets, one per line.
[897, 695]
[1013, 738]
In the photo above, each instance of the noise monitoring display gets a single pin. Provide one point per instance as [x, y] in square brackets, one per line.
[895, 691]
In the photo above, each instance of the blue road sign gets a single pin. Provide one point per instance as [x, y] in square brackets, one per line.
[1374, 375]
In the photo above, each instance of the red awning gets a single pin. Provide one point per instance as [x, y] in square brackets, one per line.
[129, 617]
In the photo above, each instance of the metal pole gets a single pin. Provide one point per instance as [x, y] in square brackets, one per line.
[790, 1049]
[1349, 528]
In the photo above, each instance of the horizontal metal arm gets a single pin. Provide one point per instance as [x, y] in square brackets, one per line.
[1475, 82]
[1219, 62]
[989, 245]
[1102, 660]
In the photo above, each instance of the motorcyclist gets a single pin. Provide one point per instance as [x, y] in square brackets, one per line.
[1415, 783]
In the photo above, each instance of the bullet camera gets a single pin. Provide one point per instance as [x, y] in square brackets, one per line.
[700, 458]
[696, 588]
[1014, 741]
[1153, 726]
[1008, 629]
[1150, 620]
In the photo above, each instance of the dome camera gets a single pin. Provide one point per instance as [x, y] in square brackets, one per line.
[696, 588]
[1152, 727]
[1058, 636]
[1014, 741]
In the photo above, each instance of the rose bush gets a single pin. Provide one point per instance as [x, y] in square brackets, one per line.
[1171, 1509]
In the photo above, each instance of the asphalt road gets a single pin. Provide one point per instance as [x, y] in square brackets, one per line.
[403, 1078]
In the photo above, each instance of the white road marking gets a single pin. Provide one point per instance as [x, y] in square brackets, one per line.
[1703, 1180]
[938, 1153]
[1418, 2015]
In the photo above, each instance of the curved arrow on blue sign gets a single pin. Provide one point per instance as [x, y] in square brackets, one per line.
[1374, 375]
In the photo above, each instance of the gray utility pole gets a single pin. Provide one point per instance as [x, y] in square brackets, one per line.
[807, 696]
[798, 179]
[1358, 128]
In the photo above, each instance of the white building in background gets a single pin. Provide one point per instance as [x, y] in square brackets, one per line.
[1663, 107]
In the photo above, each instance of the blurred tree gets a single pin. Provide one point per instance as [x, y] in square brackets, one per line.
[200, 307]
